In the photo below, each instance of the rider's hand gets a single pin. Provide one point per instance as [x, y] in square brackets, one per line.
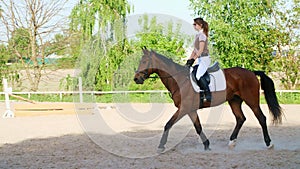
[190, 62]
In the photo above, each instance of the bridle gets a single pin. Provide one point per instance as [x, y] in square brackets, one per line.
[146, 74]
[145, 71]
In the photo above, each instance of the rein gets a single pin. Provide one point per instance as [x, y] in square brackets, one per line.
[145, 72]
[169, 76]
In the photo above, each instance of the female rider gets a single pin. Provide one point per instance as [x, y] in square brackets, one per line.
[202, 53]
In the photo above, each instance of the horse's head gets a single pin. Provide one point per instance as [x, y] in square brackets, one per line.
[145, 67]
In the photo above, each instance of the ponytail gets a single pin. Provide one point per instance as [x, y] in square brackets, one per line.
[205, 28]
[203, 24]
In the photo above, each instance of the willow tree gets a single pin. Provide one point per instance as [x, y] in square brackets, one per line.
[99, 26]
[240, 31]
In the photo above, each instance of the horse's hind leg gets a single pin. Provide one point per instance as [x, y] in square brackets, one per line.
[235, 105]
[195, 119]
[253, 103]
[262, 121]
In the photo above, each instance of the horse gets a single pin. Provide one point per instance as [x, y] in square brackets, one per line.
[242, 85]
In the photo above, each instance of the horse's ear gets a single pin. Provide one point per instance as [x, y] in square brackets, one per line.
[145, 50]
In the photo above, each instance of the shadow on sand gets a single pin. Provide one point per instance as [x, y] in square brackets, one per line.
[79, 151]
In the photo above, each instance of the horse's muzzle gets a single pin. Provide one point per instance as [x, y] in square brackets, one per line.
[139, 79]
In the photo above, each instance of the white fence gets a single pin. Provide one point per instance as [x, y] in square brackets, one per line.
[62, 93]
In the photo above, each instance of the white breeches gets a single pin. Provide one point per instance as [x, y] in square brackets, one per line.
[204, 63]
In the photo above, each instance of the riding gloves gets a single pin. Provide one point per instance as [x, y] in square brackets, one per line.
[190, 62]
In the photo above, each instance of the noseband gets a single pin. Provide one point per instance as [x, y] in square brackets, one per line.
[145, 71]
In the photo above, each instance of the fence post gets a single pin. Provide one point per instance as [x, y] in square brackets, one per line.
[60, 96]
[80, 90]
[8, 90]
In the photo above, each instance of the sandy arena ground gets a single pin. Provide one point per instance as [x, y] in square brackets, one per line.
[60, 141]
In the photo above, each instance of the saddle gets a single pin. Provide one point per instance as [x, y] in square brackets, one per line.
[213, 68]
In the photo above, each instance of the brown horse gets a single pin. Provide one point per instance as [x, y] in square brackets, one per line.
[241, 85]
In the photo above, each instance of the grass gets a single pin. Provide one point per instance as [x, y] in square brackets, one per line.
[283, 98]
[286, 98]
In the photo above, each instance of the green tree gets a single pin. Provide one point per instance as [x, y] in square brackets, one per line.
[287, 62]
[116, 66]
[165, 38]
[240, 32]
[91, 17]
[4, 56]
[58, 45]
[20, 41]
[98, 25]
[7, 69]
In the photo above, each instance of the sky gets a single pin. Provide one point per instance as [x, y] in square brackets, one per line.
[168, 7]
[164, 10]
[179, 9]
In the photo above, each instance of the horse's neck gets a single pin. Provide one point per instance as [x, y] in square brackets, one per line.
[170, 73]
[169, 82]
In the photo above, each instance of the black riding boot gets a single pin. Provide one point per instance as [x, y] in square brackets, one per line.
[203, 83]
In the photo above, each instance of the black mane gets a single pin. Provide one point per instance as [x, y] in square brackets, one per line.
[169, 61]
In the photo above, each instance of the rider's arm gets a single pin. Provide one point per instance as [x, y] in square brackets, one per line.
[193, 55]
[201, 48]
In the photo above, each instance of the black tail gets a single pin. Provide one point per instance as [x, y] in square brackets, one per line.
[267, 85]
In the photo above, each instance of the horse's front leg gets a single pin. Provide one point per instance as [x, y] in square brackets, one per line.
[177, 116]
[195, 119]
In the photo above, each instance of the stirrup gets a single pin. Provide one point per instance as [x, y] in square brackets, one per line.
[204, 98]
[208, 99]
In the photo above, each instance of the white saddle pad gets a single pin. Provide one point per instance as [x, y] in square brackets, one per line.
[217, 81]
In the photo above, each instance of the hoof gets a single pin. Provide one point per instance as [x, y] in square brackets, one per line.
[270, 147]
[207, 149]
[206, 145]
[232, 144]
[160, 150]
